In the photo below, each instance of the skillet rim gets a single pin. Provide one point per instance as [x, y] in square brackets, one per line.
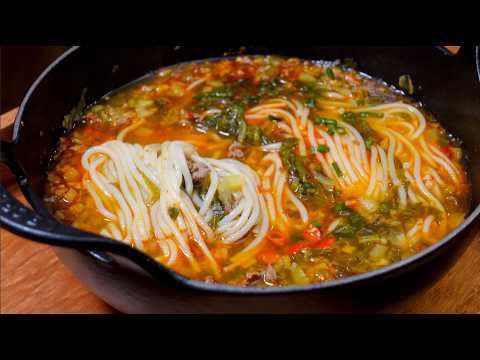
[291, 289]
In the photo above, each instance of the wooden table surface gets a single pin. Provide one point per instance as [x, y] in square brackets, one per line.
[33, 280]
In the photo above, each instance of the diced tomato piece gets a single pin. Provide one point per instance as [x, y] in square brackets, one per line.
[277, 238]
[189, 115]
[292, 250]
[325, 243]
[446, 150]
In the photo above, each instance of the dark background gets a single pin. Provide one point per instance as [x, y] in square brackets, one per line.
[19, 66]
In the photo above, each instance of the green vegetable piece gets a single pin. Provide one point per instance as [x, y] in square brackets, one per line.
[369, 142]
[341, 131]
[330, 73]
[173, 212]
[300, 168]
[311, 103]
[73, 116]
[344, 231]
[376, 100]
[271, 87]
[367, 114]
[323, 149]
[253, 135]
[331, 130]
[340, 208]
[218, 214]
[331, 122]
[250, 100]
[405, 83]
[242, 131]
[349, 117]
[337, 169]
[316, 223]
[384, 208]
[356, 220]
[307, 78]
[307, 185]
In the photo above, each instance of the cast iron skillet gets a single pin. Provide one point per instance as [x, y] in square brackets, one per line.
[133, 282]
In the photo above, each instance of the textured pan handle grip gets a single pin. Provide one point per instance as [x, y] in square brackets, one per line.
[20, 219]
[23, 221]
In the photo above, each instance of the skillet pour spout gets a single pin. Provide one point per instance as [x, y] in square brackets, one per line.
[106, 265]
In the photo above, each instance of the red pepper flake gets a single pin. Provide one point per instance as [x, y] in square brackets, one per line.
[189, 115]
[446, 150]
[292, 250]
[325, 243]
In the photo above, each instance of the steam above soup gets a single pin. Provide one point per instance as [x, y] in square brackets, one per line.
[261, 171]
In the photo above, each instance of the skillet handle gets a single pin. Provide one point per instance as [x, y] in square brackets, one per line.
[23, 221]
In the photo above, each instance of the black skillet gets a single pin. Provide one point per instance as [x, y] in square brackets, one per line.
[133, 282]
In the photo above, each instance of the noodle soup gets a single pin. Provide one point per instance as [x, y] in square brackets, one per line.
[261, 171]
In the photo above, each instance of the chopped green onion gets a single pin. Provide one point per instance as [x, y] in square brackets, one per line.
[307, 185]
[405, 82]
[330, 73]
[339, 207]
[343, 210]
[312, 150]
[356, 220]
[366, 114]
[331, 122]
[341, 131]
[337, 169]
[344, 231]
[369, 143]
[316, 223]
[375, 100]
[384, 208]
[349, 117]
[310, 102]
[331, 130]
[305, 77]
[325, 121]
[369, 239]
[323, 149]
[173, 212]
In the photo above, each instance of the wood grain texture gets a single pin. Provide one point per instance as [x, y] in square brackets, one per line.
[33, 280]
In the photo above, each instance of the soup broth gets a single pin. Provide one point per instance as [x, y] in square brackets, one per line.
[261, 171]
